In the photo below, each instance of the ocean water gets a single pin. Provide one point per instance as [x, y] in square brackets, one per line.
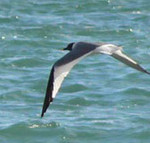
[102, 100]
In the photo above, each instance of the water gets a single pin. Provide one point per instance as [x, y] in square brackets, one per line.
[102, 100]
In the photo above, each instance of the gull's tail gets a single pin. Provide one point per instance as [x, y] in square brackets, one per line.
[128, 61]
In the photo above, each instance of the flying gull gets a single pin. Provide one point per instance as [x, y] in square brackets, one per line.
[78, 51]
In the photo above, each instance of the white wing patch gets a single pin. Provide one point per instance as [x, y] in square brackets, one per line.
[57, 83]
[61, 72]
[124, 57]
[107, 49]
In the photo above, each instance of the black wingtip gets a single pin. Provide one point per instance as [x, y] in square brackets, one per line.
[142, 69]
[42, 114]
[48, 97]
[147, 72]
[43, 111]
[46, 104]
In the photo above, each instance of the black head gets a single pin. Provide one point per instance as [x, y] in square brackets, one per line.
[69, 47]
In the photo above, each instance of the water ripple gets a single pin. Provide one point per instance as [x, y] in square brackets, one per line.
[101, 100]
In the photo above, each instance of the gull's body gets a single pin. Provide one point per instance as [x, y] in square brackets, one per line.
[78, 51]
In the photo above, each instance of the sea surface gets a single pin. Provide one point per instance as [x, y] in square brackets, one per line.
[101, 100]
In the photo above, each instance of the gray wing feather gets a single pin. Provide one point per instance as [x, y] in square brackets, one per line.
[128, 61]
[59, 71]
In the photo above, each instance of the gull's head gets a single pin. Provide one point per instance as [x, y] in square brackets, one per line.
[69, 47]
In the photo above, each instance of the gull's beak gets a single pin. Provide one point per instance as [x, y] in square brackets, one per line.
[61, 49]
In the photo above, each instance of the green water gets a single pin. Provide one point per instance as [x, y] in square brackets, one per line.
[102, 100]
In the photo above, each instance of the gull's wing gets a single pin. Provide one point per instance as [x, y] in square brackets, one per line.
[59, 71]
[128, 61]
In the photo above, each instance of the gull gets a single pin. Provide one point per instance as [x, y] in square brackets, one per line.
[78, 51]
